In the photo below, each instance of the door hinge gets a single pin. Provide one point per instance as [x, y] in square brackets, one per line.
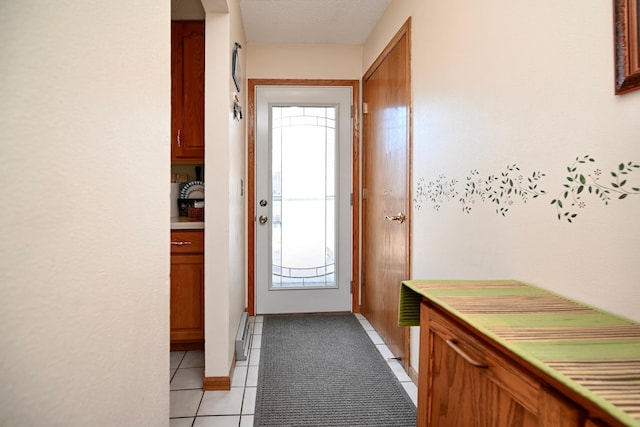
[364, 193]
[352, 286]
[351, 115]
[351, 198]
[365, 108]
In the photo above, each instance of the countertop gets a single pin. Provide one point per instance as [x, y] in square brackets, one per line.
[594, 353]
[183, 223]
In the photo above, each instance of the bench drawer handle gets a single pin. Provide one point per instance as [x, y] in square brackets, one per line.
[454, 345]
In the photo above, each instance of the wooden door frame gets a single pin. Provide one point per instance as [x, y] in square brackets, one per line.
[405, 30]
[251, 180]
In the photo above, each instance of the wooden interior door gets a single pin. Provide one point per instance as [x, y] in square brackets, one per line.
[386, 190]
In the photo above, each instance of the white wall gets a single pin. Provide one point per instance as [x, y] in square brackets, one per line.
[225, 238]
[84, 254]
[237, 181]
[501, 83]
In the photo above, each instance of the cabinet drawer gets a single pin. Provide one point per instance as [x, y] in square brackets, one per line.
[187, 242]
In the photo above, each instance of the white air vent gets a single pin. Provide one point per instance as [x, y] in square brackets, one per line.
[243, 338]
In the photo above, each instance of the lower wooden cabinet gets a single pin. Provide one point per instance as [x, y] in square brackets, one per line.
[187, 289]
[464, 383]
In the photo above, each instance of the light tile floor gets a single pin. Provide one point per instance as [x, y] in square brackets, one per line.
[191, 407]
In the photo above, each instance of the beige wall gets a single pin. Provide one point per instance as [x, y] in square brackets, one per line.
[501, 83]
[84, 260]
[225, 238]
[304, 61]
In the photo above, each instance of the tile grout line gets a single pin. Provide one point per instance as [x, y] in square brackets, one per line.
[244, 390]
[379, 347]
[177, 367]
[244, 386]
[195, 416]
[246, 379]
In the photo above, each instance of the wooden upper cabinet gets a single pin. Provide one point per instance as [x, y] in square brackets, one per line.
[187, 91]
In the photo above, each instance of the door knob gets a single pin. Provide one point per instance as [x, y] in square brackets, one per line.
[263, 219]
[400, 217]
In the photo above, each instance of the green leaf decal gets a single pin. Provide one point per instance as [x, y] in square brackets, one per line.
[573, 193]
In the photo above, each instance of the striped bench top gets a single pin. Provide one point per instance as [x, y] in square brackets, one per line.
[595, 353]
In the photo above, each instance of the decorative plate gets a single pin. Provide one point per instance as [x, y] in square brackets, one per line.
[193, 190]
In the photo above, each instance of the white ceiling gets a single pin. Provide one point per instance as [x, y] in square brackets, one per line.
[310, 21]
[295, 21]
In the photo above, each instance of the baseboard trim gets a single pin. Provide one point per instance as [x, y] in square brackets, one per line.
[216, 383]
[413, 375]
[186, 345]
[219, 383]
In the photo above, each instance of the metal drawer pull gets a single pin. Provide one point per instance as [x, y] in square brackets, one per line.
[180, 243]
[454, 345]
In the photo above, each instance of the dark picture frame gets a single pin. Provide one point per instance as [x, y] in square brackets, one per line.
[235, 66]
[627, 47]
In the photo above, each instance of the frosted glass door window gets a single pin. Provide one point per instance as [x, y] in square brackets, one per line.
[303, 171]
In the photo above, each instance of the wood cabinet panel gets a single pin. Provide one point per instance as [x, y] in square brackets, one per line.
[187, 309]
[557, 411]
[464, 382]
[594, 423]
[187, 290]
[187, 91]
[454, 387]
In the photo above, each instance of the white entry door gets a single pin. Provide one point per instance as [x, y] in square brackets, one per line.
[303, 199]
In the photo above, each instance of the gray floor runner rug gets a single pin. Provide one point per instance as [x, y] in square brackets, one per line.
[323, 370]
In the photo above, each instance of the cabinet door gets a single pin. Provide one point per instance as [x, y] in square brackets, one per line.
[187, 91]
[469, 384]
[187, 298]
[462, 393]
[456, 387]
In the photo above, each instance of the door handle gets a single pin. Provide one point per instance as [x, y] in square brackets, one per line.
[400, 217]
[263, 219]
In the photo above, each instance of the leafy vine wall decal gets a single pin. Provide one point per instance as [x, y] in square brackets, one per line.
[436, 192]
[502, 190]
[580, 185]
[510, 186]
